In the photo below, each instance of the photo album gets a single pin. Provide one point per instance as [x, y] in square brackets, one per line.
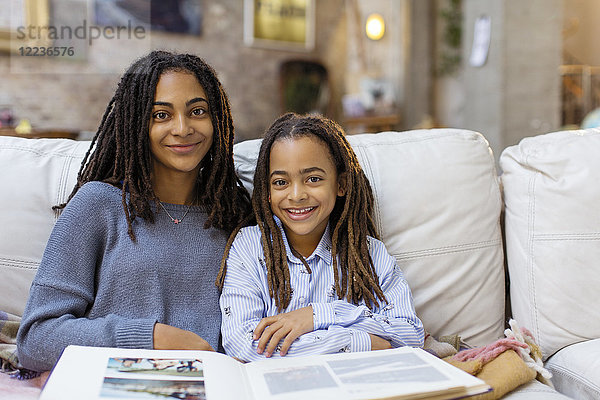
[111, 373]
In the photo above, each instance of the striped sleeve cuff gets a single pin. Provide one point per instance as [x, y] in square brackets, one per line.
[136, 334]
[323, 315]
[359, 341]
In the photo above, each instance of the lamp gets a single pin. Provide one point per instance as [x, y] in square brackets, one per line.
[375, 27]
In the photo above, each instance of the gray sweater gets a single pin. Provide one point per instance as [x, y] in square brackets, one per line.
[97, 287]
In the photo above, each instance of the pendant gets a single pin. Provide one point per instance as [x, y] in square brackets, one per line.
[176, 221]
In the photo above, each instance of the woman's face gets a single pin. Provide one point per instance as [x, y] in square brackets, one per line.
[181, 130]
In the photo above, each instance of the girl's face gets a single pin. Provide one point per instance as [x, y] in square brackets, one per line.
[303, 187]
[181, 130]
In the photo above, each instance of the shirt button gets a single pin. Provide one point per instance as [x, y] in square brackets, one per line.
[301, 299]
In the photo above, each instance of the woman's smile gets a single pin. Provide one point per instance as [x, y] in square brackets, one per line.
[183, 148]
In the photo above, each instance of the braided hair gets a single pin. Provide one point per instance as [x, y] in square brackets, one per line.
[120, 151]
[351, 219]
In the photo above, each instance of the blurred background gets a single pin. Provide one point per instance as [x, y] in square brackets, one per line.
[506, 68]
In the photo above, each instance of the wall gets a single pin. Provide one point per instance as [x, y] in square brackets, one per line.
[73, 94]
[418, 105]
[582, 30]
[516, 93]
[381, 59]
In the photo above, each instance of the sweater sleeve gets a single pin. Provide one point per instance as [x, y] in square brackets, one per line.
[64, 287]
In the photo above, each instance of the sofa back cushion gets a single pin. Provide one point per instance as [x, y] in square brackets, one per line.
[552, 197]
[437, 209]
[36, 174]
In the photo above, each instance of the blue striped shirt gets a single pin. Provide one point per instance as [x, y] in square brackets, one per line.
[339, 326]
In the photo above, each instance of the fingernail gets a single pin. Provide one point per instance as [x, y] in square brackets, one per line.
[268, 354]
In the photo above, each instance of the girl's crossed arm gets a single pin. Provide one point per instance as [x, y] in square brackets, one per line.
[395, 321]
[250, 333]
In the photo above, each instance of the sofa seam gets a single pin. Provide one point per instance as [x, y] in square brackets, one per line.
[447, 250]
[18, 264]
[559, 370]
[565, 236]
[477, 137]
[39, 152]
[531, 233]
[520, 390]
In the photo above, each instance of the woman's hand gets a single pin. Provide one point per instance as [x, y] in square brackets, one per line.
[167, 337]
[378, 343]
[288, 325]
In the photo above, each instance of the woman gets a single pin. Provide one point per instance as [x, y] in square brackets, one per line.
[132, 259]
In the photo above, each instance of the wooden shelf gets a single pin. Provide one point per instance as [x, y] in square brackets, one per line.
[371, 123]
[36, 134]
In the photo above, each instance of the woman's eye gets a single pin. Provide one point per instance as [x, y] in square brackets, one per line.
[198, 112]
[314, 179]
[160, 115]
[278, 182]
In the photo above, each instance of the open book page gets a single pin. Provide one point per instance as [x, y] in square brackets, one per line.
[110, 373]
[404, 373]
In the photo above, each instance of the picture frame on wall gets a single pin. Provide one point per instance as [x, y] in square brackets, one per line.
[16, 18]
[280, 24]
[173, 16]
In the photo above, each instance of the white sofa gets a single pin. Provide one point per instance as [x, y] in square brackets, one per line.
[439, 209]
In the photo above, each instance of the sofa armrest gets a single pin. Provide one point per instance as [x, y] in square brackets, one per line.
[576, 370]
[552, 222]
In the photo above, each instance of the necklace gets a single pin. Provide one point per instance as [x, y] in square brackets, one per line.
[175, 220]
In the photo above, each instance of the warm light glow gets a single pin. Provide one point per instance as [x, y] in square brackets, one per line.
[375, 27]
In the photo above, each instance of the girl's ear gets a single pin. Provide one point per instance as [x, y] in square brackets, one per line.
[342, 180]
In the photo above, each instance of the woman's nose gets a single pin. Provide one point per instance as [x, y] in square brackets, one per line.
[181, 125]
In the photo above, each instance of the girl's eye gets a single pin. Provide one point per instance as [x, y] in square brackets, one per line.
[278, 182]
[314, 179]
[160, 115]
[198, 112]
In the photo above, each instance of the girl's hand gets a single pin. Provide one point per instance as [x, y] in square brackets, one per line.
[290, 325]
[378, 343]
[167, 337]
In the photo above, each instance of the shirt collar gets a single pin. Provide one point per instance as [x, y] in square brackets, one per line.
[323, 249]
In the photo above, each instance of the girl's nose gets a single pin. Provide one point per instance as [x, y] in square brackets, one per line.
[298, 192]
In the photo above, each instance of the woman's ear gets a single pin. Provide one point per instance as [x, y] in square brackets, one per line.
[342, 180]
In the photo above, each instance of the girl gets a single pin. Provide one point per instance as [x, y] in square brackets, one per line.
[131, 260]
[311, 277]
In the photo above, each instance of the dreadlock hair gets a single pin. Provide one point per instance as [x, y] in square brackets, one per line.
[351, 218]
[120, 151]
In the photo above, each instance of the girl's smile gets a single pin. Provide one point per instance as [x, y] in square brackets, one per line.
[304, 187]
[299, 214]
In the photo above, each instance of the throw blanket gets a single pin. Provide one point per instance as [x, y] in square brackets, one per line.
[504, 364]
[9, 326]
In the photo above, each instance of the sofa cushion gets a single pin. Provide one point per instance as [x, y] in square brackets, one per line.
[576, 370]
[552, 195]
[535, 390]
[36, 174]
[437, 209]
